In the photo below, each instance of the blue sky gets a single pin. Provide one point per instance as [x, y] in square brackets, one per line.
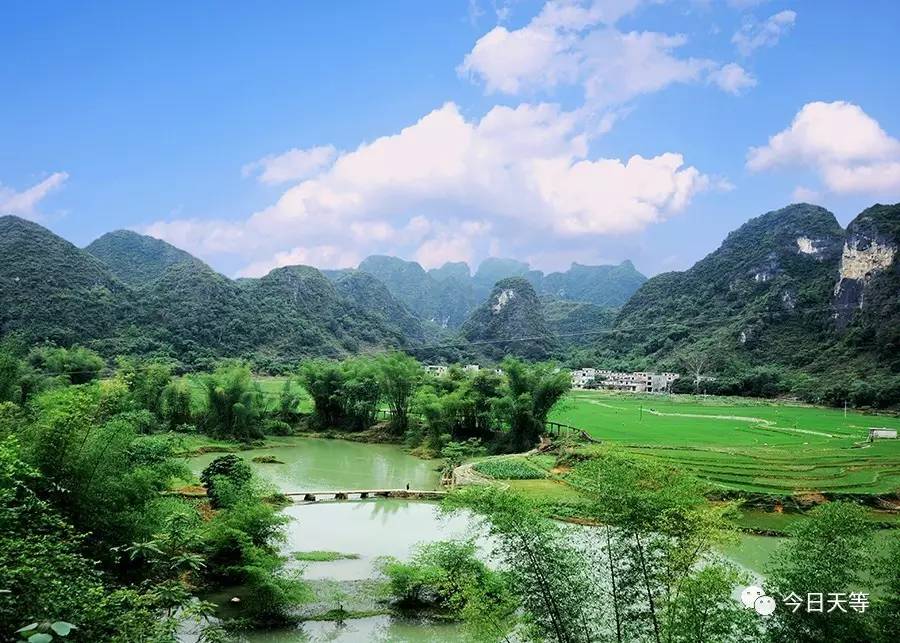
[590, 131]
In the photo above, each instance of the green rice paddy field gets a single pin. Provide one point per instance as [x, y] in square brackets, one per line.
[739, 444]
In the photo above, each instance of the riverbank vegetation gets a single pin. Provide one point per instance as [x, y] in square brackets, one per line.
[505, 412]
[89, 535]
[651, 570]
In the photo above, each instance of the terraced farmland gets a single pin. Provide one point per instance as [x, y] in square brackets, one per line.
[746, 445]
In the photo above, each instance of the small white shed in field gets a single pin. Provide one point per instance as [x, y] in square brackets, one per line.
[881, 434]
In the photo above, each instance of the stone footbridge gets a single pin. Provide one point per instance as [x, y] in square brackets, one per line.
[363, 494]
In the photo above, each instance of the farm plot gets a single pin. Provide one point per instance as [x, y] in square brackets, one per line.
[746, 445]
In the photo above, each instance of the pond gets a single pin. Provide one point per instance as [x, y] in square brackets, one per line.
[311, 464]
[375, 629]
[366, 529]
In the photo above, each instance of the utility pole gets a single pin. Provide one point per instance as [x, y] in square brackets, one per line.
[641, 418]
[845, 408]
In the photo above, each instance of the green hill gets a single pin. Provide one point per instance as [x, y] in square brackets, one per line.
[511, 321]
[866, 297]
[449, 294]
[137, 259]
[445, 302]
[50, 290]
[300, 313]
[761, 297]
[576, 323]
[178, 306]
[788, 289]
[604, 286]
[371, 295]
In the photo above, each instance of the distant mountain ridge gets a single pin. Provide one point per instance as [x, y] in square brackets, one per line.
[154, 299]
[449, 294]
[50, 289]
[789, 289]
[511, 321]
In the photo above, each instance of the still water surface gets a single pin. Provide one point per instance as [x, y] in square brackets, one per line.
[369, 529]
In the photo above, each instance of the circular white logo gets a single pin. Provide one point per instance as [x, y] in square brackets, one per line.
[750, 594]
[764, 605]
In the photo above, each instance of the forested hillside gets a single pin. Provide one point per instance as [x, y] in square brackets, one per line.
[789, 295]
[371, 295]
[174, 305]
[50, 290]
[135, 258]
[445, 301]
[510, 322]
[788, 290]
[449, 294]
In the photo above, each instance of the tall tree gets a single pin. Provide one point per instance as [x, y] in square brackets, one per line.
[398, 376]
[234, 403]
[657, 551]
[529, 394]
[549, 578]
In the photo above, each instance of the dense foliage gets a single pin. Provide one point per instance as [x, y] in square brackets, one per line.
[506, 408]
[450, 294]
[137, 259]
[153, 300]
[834, 552]
[88, 536]
[448, 576]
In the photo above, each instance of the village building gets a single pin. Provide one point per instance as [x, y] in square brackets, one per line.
[634, 382]
[438, 370]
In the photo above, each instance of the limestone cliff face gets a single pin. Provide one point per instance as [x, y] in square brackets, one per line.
[868, 263]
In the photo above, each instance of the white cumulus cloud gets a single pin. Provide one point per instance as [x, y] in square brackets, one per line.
[847, 147]
[326, 256]
[754, 35]
[576, 42]
[732, 78]
[25, 203]
[447, 188]
[292, 165]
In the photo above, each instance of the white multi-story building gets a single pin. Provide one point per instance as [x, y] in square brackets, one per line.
[438, 370]
[583, 377]
[634, 382]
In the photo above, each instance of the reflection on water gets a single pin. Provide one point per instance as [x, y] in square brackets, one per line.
[311, 464]
[369, 529]
[376, 629]
[377, 527]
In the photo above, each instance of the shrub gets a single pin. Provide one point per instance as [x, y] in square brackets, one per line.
[226, 470]
[273, 426]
